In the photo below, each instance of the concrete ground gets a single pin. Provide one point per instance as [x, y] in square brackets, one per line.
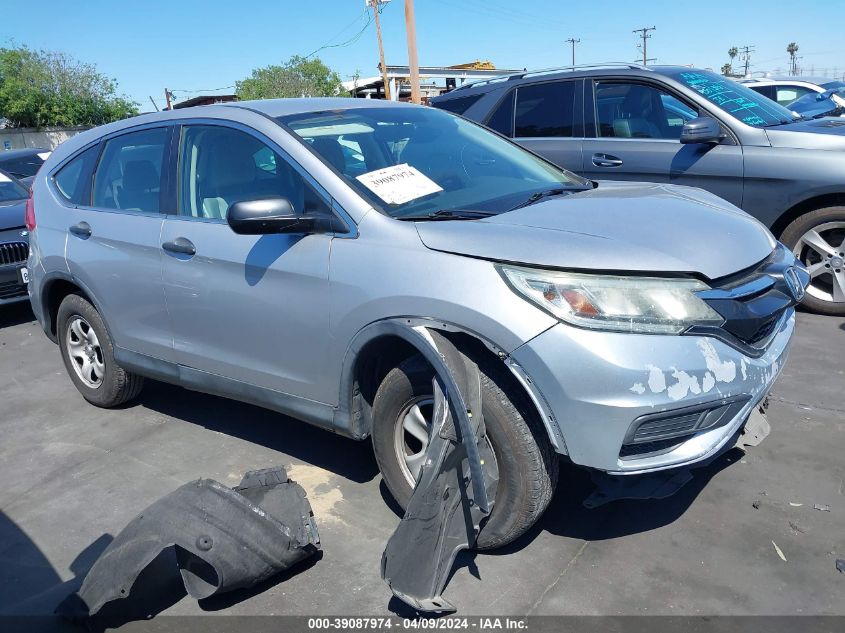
[71, 475]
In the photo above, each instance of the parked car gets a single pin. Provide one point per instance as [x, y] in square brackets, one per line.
[244, 250]
[685, 126]
[23, 164]
[788, 90]
[14, 240]
[820, 104]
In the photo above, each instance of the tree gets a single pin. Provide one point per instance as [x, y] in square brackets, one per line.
[792, 49]
[298, 77]
[733, 52]
[41, 88]
[727, 70]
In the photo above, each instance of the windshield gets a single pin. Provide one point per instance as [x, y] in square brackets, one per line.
[833, 85]
[412, 161]
[739, 101]
[11, 190]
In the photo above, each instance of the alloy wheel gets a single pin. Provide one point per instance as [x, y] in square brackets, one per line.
[83, 348]
[822, 251]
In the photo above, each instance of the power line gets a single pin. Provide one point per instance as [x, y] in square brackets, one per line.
[348, 42]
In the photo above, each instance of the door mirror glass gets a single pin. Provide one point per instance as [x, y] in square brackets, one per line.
[703, 129]
[267, 215]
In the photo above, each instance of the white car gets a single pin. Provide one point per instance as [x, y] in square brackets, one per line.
[787, 90]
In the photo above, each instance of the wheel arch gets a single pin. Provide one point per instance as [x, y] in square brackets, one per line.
[805, 206]
[54, 289]
[380, 346]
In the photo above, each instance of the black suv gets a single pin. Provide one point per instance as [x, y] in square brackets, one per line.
[685, 126]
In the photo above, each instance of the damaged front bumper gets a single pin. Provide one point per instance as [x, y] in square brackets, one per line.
[637, 403]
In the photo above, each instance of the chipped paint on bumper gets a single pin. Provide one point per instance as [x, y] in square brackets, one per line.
[597, 383]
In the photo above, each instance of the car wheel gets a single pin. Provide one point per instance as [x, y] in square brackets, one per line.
[818, 240]
[527, 464]
[88, 354]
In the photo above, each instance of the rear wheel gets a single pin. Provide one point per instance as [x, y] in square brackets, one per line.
[88, 354]
[818, 240]
[527, 464]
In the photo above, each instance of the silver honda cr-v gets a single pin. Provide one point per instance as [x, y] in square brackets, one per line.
[278, 252]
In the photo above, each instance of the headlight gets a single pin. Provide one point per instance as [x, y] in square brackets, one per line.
[610, 302]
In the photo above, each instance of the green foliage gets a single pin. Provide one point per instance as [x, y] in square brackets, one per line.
[298, 77]
[43, 88]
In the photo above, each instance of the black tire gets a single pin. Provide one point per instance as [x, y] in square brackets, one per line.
[792, 235]
[116, 385]
[528, 466]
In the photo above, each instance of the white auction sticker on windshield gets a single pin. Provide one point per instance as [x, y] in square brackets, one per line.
[399, 183]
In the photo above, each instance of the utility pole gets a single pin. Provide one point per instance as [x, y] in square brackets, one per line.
[375, 5]
[413, 62]
[745, 55]
[167, 96]
[573, 41]
[645, 38]
[155, 105]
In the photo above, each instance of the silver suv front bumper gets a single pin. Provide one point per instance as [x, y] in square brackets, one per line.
[595, 385]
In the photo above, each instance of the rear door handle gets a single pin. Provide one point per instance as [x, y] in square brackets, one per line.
[180, 245]
[606, 160]
[81, 230]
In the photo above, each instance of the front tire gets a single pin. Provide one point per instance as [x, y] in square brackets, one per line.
[527, 464]
[818, 240]
[88, 354]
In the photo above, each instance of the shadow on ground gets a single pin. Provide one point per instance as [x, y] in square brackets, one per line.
[15, 314]
[337, 454]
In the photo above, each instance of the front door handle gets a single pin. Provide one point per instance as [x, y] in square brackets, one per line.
[181, 245]
[606, 160]
[81, 230]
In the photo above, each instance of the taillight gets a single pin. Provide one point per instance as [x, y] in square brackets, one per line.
[29, 217]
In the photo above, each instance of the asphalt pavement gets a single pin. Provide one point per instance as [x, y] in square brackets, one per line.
[72, 476]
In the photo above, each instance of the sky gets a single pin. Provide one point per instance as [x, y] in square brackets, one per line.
[194, 46]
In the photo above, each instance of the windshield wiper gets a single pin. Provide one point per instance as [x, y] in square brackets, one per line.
[447, 214]
[548, 193]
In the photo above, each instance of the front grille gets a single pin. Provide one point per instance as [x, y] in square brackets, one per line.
[13, 253]
[11, 289]
[752, 303]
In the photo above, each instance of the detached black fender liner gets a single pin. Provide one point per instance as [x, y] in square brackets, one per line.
[224, 539]
[457, 484]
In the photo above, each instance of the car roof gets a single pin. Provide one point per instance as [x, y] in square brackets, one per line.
[816, 81]
[283, 107]
[593, 70]
[17, 153]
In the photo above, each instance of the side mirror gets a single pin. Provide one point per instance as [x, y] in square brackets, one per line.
[267, 215]
[703, 129]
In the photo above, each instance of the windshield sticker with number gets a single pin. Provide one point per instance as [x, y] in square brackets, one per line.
[399, 184]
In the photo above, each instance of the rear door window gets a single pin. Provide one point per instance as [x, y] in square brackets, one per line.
[128, 176]
[545, 110]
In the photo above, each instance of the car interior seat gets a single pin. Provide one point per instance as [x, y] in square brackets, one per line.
[638, 115]
[331, 152]
[140, 187]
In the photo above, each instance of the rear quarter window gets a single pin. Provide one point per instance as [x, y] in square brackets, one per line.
[73, 178]
[458, 105]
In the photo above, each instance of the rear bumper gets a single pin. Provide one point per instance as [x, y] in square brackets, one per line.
[600, 387]
[11, 290]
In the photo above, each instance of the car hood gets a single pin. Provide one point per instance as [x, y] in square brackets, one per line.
[827, 133]
[616, 227]
[12, 214]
